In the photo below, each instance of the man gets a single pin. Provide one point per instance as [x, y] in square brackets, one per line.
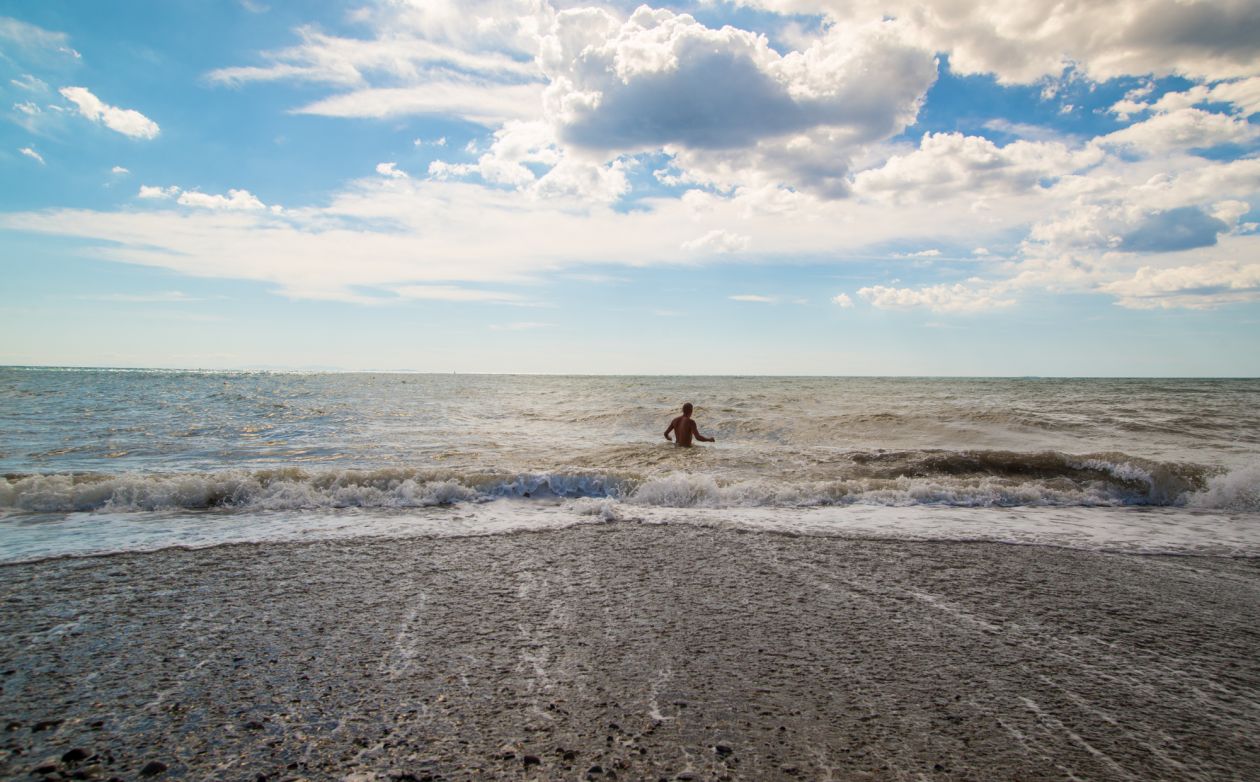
[685, 429]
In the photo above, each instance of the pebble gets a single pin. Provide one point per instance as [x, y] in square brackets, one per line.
[530, 760]
[153, 768]
[75, 755]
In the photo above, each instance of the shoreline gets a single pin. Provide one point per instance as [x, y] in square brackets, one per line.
[646, 651]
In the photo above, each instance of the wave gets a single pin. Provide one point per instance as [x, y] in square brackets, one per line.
[896, 478]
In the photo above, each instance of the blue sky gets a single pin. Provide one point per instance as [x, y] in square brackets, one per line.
[794, 187]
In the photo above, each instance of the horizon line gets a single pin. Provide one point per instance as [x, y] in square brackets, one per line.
[396, 371]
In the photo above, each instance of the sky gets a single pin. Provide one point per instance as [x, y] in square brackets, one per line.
[800, 187]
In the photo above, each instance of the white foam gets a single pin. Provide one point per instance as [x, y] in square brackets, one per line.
[1236, 490]
[1093, 482]
[1132, 530]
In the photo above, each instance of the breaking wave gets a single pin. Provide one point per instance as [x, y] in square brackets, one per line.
[896, 478]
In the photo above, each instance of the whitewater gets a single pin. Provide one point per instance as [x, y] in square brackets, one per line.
[98, 461]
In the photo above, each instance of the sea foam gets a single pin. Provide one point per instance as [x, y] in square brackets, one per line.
[965, 480]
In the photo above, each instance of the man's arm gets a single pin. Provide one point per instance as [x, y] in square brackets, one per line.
[672, 424]
[695, 431]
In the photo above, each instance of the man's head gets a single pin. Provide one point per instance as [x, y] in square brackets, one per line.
[686, 408]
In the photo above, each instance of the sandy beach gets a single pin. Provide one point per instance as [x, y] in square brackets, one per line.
[630, 651]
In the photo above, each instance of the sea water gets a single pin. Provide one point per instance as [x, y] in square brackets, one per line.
[96, 461]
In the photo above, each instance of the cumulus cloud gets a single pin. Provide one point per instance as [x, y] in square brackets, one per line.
[1184, 128]
[719, 100]
[119, 170]
[157, 192]
[1029, 41]
[32, 154]
[938, 298]
[125, 121]
[234, 200]
[1162, 215]
[1205, 286]
[1172, 230]
[947, 164]
[519, 148]
[843, 300]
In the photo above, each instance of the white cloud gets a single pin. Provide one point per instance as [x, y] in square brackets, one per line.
[519, 145]
[390, 170]
[1028, 41]
[938, 298]
[718, 241]
[406, 46]
[754, 297]
[723, 101]
[487, 104]
[472, 59]
[119, 170]
[32, 154]
[157, 192]
[948, 164]
[1091, 226]
[442, 171]
[234, 200]
[1184, 128]
[125, 121]
[27, 107]
[843, 300]
[1242, 95]
[1204, 286]
[582, 179]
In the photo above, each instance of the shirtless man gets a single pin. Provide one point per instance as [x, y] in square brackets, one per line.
[685, 429]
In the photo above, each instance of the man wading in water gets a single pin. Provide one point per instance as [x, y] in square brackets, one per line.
[685, 429]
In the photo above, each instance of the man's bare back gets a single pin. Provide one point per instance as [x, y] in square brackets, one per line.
[685, 429]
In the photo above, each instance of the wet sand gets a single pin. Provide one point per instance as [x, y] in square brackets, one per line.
[630, 651]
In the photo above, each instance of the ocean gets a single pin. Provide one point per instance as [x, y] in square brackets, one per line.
[100, 460]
